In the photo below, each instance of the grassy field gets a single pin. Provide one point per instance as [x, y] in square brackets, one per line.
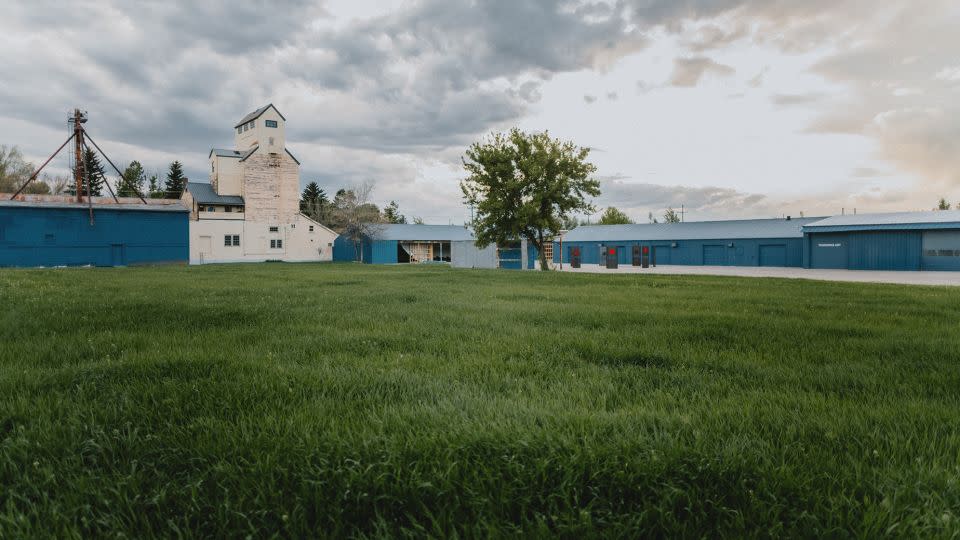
[345, 400]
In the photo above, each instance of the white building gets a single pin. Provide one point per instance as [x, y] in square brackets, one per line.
[250, 210]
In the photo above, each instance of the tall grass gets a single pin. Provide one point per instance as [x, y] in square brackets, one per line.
[347, 400]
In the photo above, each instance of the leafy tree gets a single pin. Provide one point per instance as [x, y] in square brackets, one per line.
[570, 223]
[176, 181]
[154, 187]
[95, 175]
[14, 170]
[944, 205]
[391, 213]
[671, 216]
[613, 216]
[314, 203]
[524, 185]
[418, 220]
[132, 180]
[651, 218]
[355, 217]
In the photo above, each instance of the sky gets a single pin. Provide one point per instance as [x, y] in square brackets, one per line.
[728, 108]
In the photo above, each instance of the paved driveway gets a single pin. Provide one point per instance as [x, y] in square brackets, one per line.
[862, 276]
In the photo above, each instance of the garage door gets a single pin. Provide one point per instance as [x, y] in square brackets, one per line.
[714, 255]
[941, 250]
[661, 254]
[773, 255]
[887, 250]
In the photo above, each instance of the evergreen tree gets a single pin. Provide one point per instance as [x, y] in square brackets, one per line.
[131, 183]
[944, 205]
[95, 175]
[391, 214]
[314, 203]
[176, 181]
[154, 185]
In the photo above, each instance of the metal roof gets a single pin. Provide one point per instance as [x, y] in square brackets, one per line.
[939, 219]
[220, 152]
[249, 153]
[692, 230]
[256, 114]
[443, 233]
[167, 207]
[204, 194]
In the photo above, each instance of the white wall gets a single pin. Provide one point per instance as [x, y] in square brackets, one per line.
[261, 134]
[299, 244]
[226, 174]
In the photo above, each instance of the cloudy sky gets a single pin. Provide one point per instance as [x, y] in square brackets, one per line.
[732, 108]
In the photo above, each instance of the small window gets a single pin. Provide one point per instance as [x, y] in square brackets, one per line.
[211, 209]
[211, 167]
[228, 240]
[276, 244]
[253, 124]
[311, 228]
[279, 244]
[236, 239]
[239, 130]
[228, 209]
[270, 123]
[274, 229]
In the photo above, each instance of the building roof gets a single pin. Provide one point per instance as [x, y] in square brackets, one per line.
[440, 233]
[220, 152]
[97, 206]
[204, 194]
[941, 219]
[692, 230]
[256, 114]
[249, 152]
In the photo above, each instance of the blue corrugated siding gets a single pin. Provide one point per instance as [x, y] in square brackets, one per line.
[377, 252]
[38, 236]
[885, 250]
[873, 250]
[941, 250]
[745, 252]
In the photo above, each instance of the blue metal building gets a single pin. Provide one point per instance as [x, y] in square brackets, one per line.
[896, 241]
[37, 233]
[453, 244]
[754, 242]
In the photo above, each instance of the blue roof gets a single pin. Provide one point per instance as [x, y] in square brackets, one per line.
[940, 219]
[692, 230]
[424, 233]
[204, 194]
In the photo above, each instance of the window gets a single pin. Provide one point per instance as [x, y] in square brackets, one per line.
[211, 209]
[236, 239]
[253, 124]
[227, 240]
[239, 130]
[293, 225]
[228, 209]
[276, 244]
[270, 123]
[274, 229]
[311, 228]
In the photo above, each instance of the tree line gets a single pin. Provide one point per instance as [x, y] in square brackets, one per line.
[15, 170]
[348, 208]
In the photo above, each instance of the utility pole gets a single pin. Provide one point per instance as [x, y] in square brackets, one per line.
[681, 213]
[79, 171]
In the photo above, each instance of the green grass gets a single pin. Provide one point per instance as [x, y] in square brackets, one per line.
[346, 400]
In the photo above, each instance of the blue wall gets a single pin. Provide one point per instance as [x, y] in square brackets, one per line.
[745, 252]
[865, 250]
[377, 252]
[45, 236]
